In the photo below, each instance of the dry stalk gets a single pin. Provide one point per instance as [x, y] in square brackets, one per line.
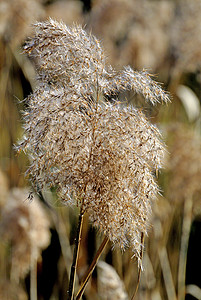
[75, 257]
[140, 267]
[91, 268]
[33, 274]
[165, 267]
[186, 227]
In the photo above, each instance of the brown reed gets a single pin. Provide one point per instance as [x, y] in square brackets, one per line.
[15, 19]
[100, 156]
[26, 226]
[110, 285]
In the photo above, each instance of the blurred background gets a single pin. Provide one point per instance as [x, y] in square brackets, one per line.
[164, 37]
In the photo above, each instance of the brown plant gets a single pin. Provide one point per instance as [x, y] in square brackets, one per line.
[26, 226]
[15, 19]
[11, 291]
[185, 37]
[110, 285]
[98, 153]
[100, 156]
[184, 163]
[133, 31]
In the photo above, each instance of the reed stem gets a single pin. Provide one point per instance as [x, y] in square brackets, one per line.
[140, 269]
[33, 274]
[91, 268]
[186, 228]
[75, 257]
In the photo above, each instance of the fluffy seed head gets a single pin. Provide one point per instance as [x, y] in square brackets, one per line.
[99, 156]
[110, 285]
[184, 164]
[69, 57]
[26, 226]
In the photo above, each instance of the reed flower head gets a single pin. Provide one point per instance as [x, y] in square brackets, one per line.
[185, 36]
[110, 285]
[11, 291]
[15, 19]
[134, 32]
[100, 156]
[26, 226]
[184, 164]
[151, 34]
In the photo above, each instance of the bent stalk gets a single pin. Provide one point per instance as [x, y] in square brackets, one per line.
[91, 268]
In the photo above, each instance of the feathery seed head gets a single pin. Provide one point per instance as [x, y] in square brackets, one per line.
[99, 156]
[70, 57]
[15, 19]
[27, 227]
[110, 285]
[184, 164]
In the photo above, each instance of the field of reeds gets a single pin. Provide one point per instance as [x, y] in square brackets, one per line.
[100, 149]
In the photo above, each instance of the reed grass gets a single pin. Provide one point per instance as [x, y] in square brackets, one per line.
[168, 238]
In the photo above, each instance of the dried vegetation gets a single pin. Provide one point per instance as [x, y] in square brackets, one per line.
[84, 139]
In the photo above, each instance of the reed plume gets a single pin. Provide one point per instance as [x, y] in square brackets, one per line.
[134, 32]
[26, 226]
[99, 154]
[184, 164]
[161, 35]
[110, 285]
[11, 291]
[185, 36]
[15, 19]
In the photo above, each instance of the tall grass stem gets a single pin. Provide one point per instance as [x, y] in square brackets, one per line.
[75, 257]
[91, 268]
